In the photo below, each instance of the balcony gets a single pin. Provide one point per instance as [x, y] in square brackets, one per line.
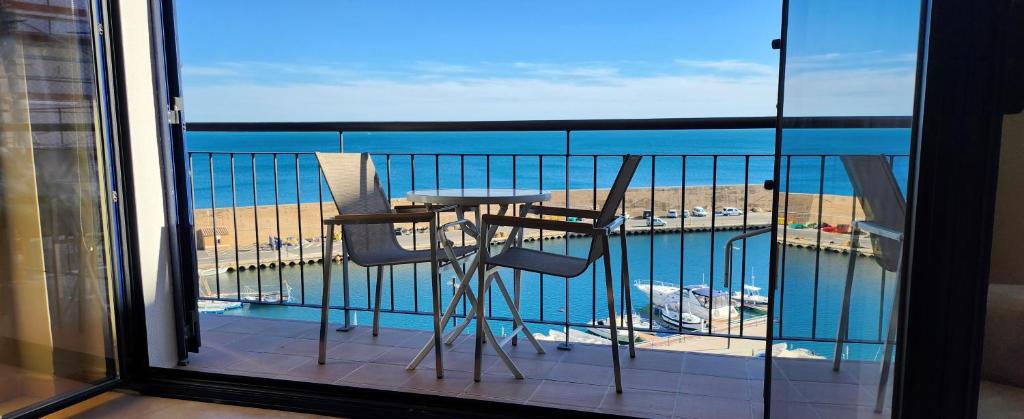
[258, 200]
[702, 383]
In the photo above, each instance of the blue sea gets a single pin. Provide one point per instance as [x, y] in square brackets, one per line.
[811, 285]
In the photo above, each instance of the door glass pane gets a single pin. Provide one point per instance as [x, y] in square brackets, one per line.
[55, 267]
[841, 188]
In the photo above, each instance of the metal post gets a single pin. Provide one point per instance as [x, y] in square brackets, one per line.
[565, 345]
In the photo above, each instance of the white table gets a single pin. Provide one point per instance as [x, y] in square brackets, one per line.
[473, 199]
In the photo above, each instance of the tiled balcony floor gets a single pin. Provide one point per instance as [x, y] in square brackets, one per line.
[656, 383]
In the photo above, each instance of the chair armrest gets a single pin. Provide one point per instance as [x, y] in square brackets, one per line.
[538, 223]
[613, 224]
[565, 212]
[879, 230]
[405, 209]
[384, 218]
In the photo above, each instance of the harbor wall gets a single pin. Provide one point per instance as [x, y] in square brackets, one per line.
[289, 218]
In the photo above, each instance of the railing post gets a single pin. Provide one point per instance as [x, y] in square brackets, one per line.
[344, 258]
[566, 346]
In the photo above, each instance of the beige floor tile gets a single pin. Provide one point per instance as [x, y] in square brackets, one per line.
[504, 387]
[559, 393]
[639, 402]
[377, 376]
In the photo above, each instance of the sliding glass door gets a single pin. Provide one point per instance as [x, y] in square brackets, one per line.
[841, 205]
[56, 262]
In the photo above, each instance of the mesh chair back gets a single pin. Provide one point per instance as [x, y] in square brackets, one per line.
[614, 199]
[882, 200]
[618, 190]
[353, 182]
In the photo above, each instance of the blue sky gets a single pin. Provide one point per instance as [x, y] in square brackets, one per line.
[464, 60]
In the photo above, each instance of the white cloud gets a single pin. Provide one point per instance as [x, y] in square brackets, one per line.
[256, 91]
[485, 99]
[731, 66]
[208, 71]
[441, 67]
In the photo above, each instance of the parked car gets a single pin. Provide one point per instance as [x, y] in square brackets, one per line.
[699, 212]
[657, 222]
[672, 214]
[731, 211]
[648, 214]
[686, 213]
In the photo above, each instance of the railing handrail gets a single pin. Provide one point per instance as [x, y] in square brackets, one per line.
[751, 122]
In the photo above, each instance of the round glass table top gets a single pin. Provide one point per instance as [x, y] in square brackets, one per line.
[477, 196]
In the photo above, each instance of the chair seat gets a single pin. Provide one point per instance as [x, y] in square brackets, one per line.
[403, 256]
[540, 262]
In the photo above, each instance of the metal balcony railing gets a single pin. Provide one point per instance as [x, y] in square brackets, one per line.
[296, 186]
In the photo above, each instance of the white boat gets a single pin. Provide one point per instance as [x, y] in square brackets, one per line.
[683, 320]
[697, 300]
[218, 307]
[751, 298]
[620, 323]
[575, 336]
[212, 271]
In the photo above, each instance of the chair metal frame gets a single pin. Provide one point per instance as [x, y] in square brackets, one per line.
[600, 232]
[393, 215]
[885, 195]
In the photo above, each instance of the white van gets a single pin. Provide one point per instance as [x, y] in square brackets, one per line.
[729, 211]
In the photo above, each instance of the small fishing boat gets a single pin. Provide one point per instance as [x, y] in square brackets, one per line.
[751, 298]
[639, 323]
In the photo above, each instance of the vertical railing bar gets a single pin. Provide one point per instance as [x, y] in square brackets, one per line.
[682, 244]
[650, 261]
[345, 279]
[593, 271]
[881, 294]
[567, 151]
[298, 215]
[711, 268]
[622, 205]
[462, 234]
[391, 268]
[256, 225]
[540, 186]
[487, 176]
[515, 159]
[213, 218]
[817, 249]
[277, 220]
[234, 220]
[437, 185]
[743, 256]
[192, 203]
[785, 245]
[415, 266]
[326, 261]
